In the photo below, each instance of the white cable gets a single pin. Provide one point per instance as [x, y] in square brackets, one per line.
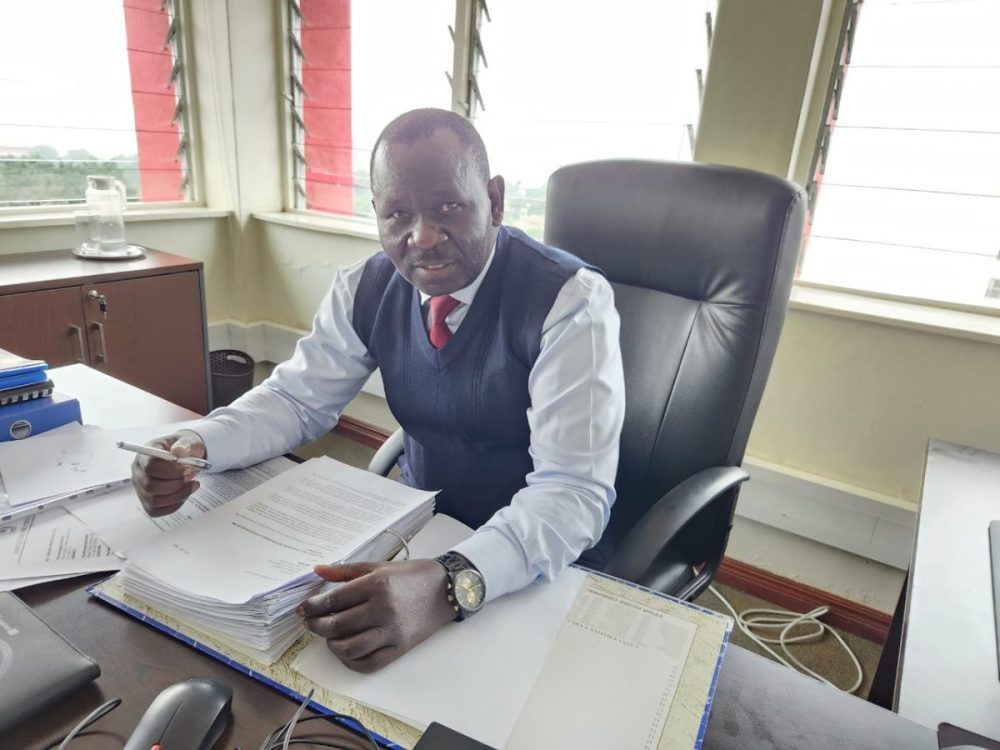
[785, 622]
[295, 720]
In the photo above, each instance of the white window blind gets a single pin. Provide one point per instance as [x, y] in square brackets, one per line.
[94, 87]
[908, 198]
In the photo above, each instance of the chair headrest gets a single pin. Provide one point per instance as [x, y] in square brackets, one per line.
[699, 231]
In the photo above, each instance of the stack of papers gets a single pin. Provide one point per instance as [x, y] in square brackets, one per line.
[40, 542]
[240, 573]
[50, 545]
[120, 521]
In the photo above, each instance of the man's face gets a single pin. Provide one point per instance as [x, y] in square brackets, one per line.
[437, 217]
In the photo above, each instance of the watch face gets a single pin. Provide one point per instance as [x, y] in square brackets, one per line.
[469, 590]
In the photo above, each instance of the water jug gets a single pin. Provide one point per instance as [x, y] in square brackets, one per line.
[106, 198]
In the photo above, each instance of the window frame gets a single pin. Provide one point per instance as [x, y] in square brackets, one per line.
[187, 128]
[842, 40]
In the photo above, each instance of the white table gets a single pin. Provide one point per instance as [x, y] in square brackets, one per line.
[111, 403]
[948, 666]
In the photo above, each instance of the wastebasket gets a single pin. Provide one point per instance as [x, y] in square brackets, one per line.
[232, 375]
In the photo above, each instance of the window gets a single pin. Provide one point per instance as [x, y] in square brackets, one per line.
[547, 84]
[907, 181]
[353, 67]
[566, 84]
[101, 91]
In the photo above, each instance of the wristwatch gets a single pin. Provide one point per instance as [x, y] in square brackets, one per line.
[466, 589]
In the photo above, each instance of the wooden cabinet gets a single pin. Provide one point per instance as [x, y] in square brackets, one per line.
[141, 321]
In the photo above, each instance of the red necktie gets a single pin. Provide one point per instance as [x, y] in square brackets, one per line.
[439, 308]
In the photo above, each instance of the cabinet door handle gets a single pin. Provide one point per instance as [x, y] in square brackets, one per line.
[79, 341]
[102, 356]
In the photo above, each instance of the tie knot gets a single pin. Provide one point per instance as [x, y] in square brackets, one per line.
[441, 306]
[438, 309]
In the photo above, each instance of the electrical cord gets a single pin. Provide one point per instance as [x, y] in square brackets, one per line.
[295, 720]
[784, 622]
[89, 719]
[282, 737]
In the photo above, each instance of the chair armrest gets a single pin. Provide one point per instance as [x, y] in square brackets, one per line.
[388, 454]
[654, 533]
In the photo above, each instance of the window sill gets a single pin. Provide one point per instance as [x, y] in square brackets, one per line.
[916, 316]
[912, 315]
[65, 218]
[342, 225]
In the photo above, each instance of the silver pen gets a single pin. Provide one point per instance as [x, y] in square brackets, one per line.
[145, 450]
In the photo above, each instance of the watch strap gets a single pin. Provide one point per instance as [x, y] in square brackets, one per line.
[454, 564]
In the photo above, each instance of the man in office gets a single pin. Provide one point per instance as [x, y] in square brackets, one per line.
[500, 359]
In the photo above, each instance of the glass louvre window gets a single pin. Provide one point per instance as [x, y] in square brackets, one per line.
[907, 202]
[93, 87]
[562, 82]
[354, 66]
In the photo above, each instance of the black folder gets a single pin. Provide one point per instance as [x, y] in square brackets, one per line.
[37, 665]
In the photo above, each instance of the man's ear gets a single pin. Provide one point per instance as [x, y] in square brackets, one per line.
[495, 189]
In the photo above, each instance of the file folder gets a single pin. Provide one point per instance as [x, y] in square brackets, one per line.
[22, 420]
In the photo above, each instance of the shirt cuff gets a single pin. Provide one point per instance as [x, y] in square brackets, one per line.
[500, 562]
[213, 435]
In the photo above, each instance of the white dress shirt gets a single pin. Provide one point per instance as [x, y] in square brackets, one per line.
[577, 407]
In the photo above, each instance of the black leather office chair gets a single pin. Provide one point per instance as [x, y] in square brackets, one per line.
[701, 259]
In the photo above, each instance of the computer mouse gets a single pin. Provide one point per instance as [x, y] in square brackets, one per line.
[189, 715]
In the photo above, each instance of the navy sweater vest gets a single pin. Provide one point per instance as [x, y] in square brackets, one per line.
[463, 407]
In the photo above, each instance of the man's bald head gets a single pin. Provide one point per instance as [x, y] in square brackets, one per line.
[421, 123]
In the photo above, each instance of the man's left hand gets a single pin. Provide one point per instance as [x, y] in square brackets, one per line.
[380, 611]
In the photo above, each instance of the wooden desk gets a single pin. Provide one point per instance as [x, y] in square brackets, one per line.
[758, 704]
[948, 663]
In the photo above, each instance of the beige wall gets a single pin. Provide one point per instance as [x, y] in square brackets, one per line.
[296, 268]
[856, 401]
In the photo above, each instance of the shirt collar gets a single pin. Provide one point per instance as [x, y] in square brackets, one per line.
[467, 294]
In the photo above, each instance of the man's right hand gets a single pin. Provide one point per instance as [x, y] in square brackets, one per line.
[163, 486]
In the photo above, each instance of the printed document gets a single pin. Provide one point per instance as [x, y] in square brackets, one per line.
[273, 535]
[634, 659]
[118, 517]
[51, 543]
